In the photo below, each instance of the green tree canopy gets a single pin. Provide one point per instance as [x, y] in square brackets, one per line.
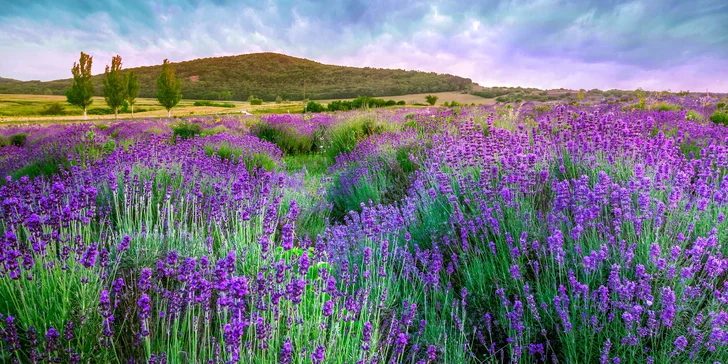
[82, 90]
[132, 89]
[114, 86]
[431, 99]
[168, 88]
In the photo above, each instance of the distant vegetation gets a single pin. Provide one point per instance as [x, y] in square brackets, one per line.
[358, 103]
[212, 103]
[267, 76]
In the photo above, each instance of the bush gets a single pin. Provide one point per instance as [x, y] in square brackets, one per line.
[720, 105]
[53, 109]
[401, 102]
[390, 103]
[256, 101]
[693, 115]
[214, 104]
[431, 99]
[313, 106]
[279, 99]
[663, 106]
[18, 140]
[185, 130]
[720, 117]
[100, 111]
[339, 105]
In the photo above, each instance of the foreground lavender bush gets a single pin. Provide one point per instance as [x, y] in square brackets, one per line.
[484, 234]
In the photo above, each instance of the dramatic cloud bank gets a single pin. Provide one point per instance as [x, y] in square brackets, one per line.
[653, 44]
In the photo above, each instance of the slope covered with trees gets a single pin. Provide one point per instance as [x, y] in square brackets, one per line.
[268, 75]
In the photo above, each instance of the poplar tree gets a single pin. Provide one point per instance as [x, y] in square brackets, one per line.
[114, 86]
[168, 88]
[82, 90]
[132, 90]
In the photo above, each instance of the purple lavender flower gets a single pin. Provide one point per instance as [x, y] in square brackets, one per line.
[668, 304]
[681, 343]
[366, 336]
[286, 352]
[431, 353]
[124, 244]
[144, 308]
[328, 308]
[144, 283]
[303, 263]
[11, 334]
[318, 354]
[52, 340]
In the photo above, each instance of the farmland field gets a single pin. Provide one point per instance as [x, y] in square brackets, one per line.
[572, 233]
[18, 108]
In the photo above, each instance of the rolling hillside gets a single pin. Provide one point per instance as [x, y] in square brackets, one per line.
[267, 75]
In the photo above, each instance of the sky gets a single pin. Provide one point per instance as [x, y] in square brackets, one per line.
[653, 44]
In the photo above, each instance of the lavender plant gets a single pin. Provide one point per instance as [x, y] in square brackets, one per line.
[568, 233]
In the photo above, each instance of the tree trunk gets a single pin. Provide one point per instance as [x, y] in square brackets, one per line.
[84, 113]
[132, 111]
[169, 113]
[116, 113]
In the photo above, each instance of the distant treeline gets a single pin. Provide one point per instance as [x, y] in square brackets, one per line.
[267, 76]
[524, 94]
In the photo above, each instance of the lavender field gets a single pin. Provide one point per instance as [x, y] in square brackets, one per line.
[584, 233]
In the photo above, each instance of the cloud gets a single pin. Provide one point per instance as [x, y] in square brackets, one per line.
[654, 44]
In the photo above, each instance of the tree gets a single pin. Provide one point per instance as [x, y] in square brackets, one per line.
[132, 90]
[168, 88]
[82, 90]
[224, 95]
[580, 95]
[114, 86]
[431, 99]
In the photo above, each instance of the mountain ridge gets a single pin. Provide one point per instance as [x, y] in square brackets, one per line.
[268, 75]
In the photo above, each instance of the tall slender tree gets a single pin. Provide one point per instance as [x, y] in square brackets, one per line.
[82, 90]
[168, 88]
[132, 90]
[114, 86]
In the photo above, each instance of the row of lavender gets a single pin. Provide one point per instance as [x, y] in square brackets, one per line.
[578, 234]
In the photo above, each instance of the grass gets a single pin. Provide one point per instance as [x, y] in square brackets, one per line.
[313, 164]
[253, 162]
[44, 105]
[343, 137]
[720, 117]
[286, 138]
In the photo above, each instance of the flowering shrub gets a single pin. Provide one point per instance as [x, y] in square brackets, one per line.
[574, 233]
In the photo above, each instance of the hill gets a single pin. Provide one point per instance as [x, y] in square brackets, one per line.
[267, 75]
